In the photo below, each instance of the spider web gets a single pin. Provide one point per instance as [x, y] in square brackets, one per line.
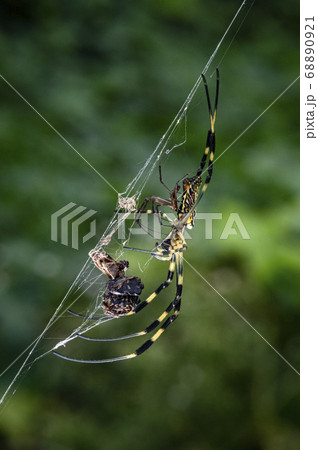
[87, 289]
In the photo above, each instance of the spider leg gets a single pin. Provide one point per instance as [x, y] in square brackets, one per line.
[157, 255]
[147, 330]
[141, 209]
[175, 305]
[155, 209]
[162, 286]
[141, 306]
[209, 150]
[163, 254]
[210, 143]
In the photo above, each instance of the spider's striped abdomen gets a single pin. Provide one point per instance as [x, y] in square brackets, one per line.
[187, 210]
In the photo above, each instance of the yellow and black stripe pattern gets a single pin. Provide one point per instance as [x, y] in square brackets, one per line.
[173, 245]
[176, 264]
[175, 305]
[191, 186]
[210, 142]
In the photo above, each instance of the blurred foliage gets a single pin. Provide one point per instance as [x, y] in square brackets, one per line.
[110, 76]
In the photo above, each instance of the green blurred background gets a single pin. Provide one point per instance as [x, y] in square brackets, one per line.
[110, 76]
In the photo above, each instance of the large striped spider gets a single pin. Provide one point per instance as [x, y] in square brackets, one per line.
[172, 247]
